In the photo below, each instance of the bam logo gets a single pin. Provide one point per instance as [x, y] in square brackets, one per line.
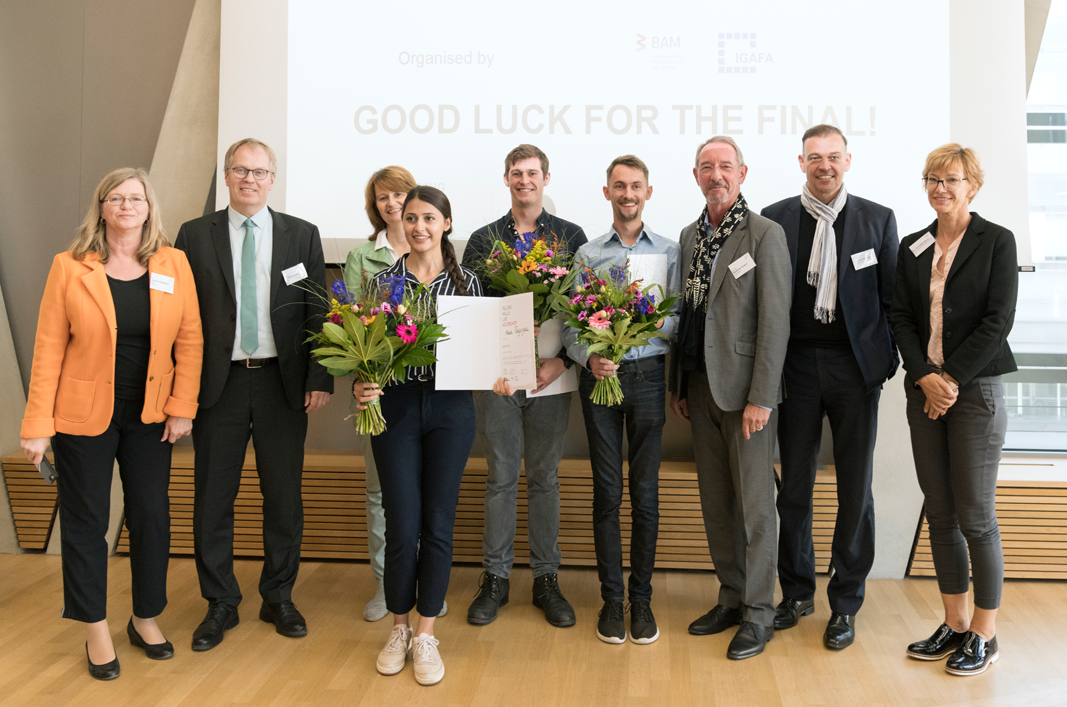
[659, 42]
[738, 55]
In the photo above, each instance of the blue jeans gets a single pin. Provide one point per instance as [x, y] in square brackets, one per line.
[421, 458]
[643, 414]
[510, 426]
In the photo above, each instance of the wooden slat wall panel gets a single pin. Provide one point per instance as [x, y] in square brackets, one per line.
[33, 502]
[1033, 531]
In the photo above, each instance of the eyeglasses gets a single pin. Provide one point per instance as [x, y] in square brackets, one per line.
[117, 200]
[951, 184]
[242, 172]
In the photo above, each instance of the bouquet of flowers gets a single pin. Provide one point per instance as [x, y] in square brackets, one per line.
[612, 316]
[377, 338]
[532, 264]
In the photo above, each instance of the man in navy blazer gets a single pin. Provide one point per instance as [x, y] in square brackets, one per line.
[844, 251]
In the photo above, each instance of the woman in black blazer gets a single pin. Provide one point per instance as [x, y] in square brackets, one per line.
[953, 307]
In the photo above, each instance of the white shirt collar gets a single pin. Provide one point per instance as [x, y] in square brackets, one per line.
[237, 219]
[382, 241]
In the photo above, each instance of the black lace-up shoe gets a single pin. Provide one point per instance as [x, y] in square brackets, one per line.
[286, 619]
[716, 621]
[548, 597]
[643, 629]
[611, 627]
[788, 612]
[749, 641]
[220, 618]
[840, 632]
[492, 594]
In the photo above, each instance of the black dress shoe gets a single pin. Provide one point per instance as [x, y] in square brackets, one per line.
[716, 621]
[788, 612]
[944, 642]
[107, 671]
[155, 651]
[974, 656]
[286, 619]
[840, 632]
[749, 640]
[220, 617]
[548, 597]
[492, 594]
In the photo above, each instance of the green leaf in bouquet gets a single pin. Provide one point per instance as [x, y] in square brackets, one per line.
[418, 357]
[337, 372]
[336, 334]
[517, 283]
[340, 363]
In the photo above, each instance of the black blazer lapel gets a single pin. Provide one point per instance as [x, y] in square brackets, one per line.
[220, 235]
[282, 240]
[971, 240]
[853, 214]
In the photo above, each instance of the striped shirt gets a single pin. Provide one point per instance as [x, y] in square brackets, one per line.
[441, 285]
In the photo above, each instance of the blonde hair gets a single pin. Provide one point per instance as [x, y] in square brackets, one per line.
[954, 155]
[391, 178]
[227, 161]
[92, 233]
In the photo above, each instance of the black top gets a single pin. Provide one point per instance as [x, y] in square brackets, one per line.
[133, 314]
[977, 310]
[441, 285]
[803, 326]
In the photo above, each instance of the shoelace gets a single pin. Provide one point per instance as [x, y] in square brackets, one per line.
[552, 586]
[398, 642]
[641, 612]
[426, 650]
[489, 584]
[612, 611]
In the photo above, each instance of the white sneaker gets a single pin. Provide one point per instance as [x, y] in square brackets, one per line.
[428, 666]
[444, 609]
[392, 658]
[375, 609]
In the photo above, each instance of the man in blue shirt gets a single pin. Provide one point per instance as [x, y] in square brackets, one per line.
[642, 376]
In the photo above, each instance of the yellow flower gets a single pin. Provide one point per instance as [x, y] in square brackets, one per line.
[526, 266]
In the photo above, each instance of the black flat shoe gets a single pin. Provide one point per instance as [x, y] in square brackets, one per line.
[943, 643]
[107, 671]
[840, 632]
[220, 618]
[716, 621]
[788, 612]
[285, 617]
[155, 651]
[974, 656]
[749, 641]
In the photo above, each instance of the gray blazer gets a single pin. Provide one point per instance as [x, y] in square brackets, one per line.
[747, 327]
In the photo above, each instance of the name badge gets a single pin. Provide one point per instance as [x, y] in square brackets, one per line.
[865, 259]
[922, 244]
[294, 274]
[742, 265]
[161, 283]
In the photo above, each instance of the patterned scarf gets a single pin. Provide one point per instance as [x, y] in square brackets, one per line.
[822, 266]
[697, 284]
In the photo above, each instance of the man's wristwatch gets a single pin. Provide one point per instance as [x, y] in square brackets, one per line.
[567, 361]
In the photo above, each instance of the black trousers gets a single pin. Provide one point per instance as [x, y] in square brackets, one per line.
[253, 405]
[421, 458]
[826, 382]
[85, 466]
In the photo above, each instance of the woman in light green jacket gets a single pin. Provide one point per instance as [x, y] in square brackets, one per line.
[385, 196]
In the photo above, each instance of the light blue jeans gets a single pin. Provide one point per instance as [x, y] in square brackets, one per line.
[375, 513]
[509, 427]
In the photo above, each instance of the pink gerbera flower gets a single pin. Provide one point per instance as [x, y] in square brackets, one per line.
[600, 320]
[408, 333]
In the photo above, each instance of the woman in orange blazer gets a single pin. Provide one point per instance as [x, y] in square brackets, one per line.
[116, 374]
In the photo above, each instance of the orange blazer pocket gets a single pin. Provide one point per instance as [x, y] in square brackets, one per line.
[166, 385]
[74, 399]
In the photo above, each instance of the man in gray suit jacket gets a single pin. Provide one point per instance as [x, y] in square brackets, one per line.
[727, 380]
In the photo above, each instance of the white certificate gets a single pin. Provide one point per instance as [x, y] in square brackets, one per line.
[549, 343]
[488, 338]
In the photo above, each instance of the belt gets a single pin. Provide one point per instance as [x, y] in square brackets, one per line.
[254, 363]
[649, 363]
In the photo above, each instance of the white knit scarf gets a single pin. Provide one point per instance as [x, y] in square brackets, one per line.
[822, 266]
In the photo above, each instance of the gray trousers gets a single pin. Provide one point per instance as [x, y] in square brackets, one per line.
[375, 513]
[736, 479]
[956, 460]
[513, 427]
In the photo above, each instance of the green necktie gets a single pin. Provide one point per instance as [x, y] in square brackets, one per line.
[249, 311]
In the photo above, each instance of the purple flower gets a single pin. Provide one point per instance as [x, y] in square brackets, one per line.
[583, 315]
[340, 292]
[618, 275]
[523, 244]
[393, 288]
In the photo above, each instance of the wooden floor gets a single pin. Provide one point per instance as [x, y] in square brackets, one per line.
[519, 659]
